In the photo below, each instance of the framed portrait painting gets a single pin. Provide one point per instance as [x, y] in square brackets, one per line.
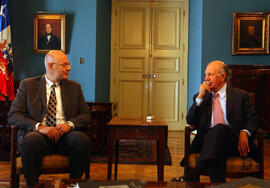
[49, 32]
[250, 33]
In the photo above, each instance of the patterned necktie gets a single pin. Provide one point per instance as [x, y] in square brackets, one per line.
[217, 111]
[51, 108]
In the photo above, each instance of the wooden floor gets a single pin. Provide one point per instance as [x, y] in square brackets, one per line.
[142, 172]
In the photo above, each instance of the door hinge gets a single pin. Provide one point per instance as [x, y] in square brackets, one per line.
[114, 108]
[182, 116]
[183, 47]
[183, 82]
[115, 12]
[184, 13]
[152, 4]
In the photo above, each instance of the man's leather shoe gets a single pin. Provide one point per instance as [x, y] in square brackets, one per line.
[178, 179]
[187, 178]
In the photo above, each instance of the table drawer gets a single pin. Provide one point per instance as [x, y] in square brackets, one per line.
[137, 132]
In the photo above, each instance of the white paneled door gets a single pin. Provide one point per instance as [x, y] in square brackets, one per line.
[149, 60]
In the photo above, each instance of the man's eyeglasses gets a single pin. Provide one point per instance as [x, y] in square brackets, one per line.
[64, 65]
[210, 75]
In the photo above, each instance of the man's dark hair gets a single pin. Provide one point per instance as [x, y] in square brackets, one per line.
[48, 24]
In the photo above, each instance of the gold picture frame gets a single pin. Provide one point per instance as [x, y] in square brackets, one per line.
[49, 32]
[250, 33]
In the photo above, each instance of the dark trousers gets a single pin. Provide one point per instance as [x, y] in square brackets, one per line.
[35, 145]
[219, 143]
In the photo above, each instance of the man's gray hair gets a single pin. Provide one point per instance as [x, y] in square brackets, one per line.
[48, 57]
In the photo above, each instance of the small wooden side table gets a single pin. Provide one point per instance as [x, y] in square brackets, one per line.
[136, 130]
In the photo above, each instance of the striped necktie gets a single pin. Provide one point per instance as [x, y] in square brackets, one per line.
[51, 108]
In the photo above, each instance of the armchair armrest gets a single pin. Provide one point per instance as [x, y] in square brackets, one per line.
[188, 130]
[190, 127]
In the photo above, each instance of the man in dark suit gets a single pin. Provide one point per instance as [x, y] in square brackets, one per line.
[49, 41]
[31, 109]
[224, 130]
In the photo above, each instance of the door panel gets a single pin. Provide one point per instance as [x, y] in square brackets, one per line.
[132, 23]
[131, 103]
[166, 64]
[165, 100]
[131, 64]
[166, 34]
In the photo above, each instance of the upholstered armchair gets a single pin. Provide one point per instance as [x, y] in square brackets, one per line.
[51, 164]
[237, 167]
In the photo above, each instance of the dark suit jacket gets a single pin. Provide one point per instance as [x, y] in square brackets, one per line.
[53, 44]
[29, 106]
[240, 115]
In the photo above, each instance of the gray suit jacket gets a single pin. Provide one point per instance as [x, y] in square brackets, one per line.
[29, 106]
[240, 115]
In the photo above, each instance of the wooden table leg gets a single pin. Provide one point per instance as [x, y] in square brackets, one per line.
[110, 153]
[116, 158]
[161, 145]
[158, 158]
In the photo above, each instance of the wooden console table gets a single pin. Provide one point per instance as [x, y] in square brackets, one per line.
[136, 130]
[101, 113]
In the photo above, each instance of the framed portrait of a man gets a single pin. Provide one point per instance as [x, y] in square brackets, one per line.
[250, 33]
[49, 32]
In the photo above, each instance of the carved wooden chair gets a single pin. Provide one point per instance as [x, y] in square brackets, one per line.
[237, 167]
[51, 164]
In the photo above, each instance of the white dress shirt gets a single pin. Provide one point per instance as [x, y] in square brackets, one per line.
[60, 117]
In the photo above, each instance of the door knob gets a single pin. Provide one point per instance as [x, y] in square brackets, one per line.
[152, 75]
[149, 76]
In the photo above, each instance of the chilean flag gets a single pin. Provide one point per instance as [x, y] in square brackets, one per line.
[6, 58]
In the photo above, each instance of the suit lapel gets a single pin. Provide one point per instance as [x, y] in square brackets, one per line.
[42, 92]
[64, 96]
[229, 101]
[208, 101]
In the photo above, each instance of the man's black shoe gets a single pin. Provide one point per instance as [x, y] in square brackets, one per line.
[178, 179]
[186, 178]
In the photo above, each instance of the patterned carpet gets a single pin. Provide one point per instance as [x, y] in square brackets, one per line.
[136, 152]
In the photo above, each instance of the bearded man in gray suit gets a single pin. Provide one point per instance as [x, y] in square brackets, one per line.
[29, 112]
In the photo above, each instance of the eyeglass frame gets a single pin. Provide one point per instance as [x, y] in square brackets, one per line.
[64, 65]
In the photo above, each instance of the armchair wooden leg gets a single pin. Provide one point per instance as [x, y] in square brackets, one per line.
[17, 181]
[87, 171]
[187, 150]
[14, 182]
